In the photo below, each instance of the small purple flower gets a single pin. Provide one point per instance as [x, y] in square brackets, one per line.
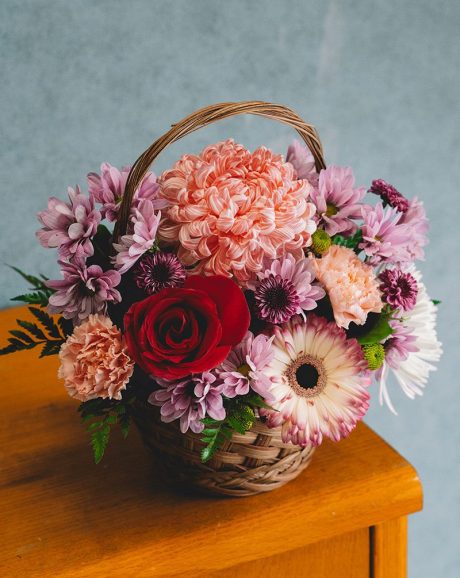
[303, 162]
[243, 368]
[143, 227]
[108, 188]
[159, 270]
[83, 291]
[385, 238]
[399, 289]
[399, 345]
[337, 201]
[286, 289]
[389, 195]
[417, 223]
[69, 226]
[189, 400]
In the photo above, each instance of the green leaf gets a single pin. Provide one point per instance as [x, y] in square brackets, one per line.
[51, 348]
[349, 242]
[47, 322]
[21, 335]
[31, 328]
[436, 302]
[37, 298]
[34, 281]
[379, 332]
[99, 441]
[236, 424]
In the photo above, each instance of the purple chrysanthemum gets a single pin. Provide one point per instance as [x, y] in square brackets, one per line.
[108, 189]
[189, 400]
[156, 271]
[399, 289]
[337, 200]
[243, 368]
[300, 157]
[83, 291]
[286, 289]
[386, 239]
[70, 226]
[416, 221]
[389, 195]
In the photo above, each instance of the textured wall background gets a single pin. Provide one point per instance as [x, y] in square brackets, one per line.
[87, 81]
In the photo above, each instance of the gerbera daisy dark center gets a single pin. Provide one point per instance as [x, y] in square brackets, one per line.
[307, 376]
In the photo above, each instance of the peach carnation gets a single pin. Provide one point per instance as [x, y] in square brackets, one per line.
[350, 284]
[230, 208]
[95, 361]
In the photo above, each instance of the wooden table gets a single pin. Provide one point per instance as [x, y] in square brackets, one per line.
[62, 516]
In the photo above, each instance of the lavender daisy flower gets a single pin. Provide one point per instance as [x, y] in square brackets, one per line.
[399, 289]
[417, 223]
[385, 238]
[389, 195]
[337, 201]
[144, 225]
[189, 400]
[303, 162]
[108, 189]
[69, 227]
[83, 291]
[286, 289]
[243, 368]
[157, 271]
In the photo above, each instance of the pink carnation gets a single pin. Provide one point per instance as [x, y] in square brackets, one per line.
[69, 227]
[351, 285]
[337, 201]
[108, 189]
[95, 361]
[230, 209]
[303, 162]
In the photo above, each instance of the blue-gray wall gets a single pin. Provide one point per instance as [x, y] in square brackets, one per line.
[82, 82]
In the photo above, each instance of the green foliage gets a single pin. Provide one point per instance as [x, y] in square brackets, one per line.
[349, 242]
[46, 333]
[380, 330]
[39, 294]
[436, 302]
[240, 418]
[101, 415]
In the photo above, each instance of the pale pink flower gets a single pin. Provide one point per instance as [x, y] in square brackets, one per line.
[303, 162]
[70, 226]
[244, 367]
[141, 238]
[84, 290]
[95, 361]
[230, 209]
[189, 400]
[351, 285]
[386, 239]
[319, 382]
[108, 189]
[285, 289]
[416, 221]
[337, 201]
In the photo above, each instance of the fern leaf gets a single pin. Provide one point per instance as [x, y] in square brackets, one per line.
[47, 321]
[31, 328]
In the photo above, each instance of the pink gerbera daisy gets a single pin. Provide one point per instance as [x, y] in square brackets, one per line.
[319, 381]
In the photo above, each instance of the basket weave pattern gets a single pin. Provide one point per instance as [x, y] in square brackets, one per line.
[247, 464]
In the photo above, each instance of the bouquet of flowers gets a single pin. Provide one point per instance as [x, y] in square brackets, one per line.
[245, 286]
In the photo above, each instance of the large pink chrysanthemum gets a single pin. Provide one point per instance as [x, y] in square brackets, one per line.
[230, 209]
[319, 382]
[337, 201]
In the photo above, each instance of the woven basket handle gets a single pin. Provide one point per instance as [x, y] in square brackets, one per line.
[201, 118]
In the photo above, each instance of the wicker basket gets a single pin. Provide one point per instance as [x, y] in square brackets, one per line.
[248, 464]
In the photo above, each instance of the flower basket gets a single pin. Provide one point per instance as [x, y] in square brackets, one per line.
[238, 309]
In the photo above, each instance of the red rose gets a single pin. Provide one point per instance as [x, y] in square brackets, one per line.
[191, 329]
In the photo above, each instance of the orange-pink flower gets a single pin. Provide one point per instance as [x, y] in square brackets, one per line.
[350, 284]
[95, 361]
[229, 209]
